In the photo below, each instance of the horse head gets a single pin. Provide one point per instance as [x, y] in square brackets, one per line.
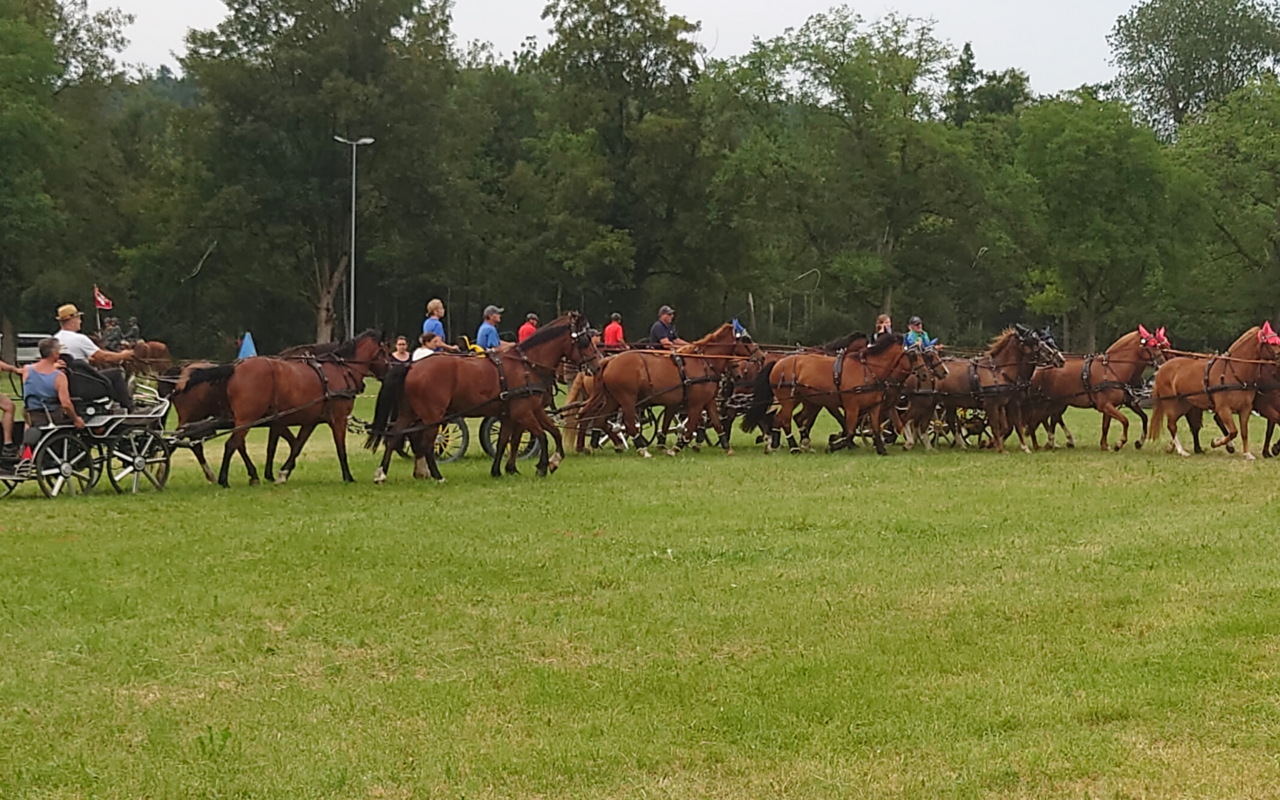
[1155, 346]
[584, 353]
[933, 359]
[1269, 341]
[1040, 345]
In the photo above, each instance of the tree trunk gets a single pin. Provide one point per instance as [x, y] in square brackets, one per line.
[887, 306]
[1089, 318]
[328, 293]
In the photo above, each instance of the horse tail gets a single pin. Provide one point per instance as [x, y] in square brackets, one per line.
[761, 400]
[218, 374]
[1157, 420]
[387, 408]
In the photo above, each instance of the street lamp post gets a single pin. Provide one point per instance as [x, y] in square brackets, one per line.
[351, 315]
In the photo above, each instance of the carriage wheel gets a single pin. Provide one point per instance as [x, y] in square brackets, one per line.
[138, 461]
[452, 441]
[491, 429]
[939, 434]
[65, 466]
[650, 423]
[973, 426]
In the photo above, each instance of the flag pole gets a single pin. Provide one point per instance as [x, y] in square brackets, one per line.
[97, 312]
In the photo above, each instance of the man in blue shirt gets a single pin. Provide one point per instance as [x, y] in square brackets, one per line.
[663, 331]
[432, 324]
[487, 335]
[916, 333]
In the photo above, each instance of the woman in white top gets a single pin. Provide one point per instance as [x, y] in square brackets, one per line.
[428, 344]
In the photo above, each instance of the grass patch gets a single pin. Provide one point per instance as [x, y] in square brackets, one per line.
[1067, 624]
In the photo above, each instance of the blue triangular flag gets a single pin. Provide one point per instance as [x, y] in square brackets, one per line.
[738, 330]
[247, 350]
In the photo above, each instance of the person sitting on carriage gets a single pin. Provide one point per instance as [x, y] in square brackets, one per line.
[663, 331]
[916, 334]
[7, 414]
[487, 334]
[529, 328]
[884, 327]
[89, 365]
[46, 392]
[614, 337]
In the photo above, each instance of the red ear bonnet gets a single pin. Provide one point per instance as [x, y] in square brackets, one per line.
[1267, 335]
[1161, 339]
[1144, 333]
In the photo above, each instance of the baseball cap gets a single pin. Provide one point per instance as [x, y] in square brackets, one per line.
[531, 316]
[666, 310]
[67, 312]
[489, 311]
[915, 321]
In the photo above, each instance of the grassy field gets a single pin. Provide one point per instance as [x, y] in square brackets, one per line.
[1066, 624]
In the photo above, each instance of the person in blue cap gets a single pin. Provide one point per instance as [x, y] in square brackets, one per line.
[916, 333]
[487, 335]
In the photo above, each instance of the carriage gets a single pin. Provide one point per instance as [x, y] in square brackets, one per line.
[129, 447]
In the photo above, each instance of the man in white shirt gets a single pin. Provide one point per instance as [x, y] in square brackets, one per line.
[77, 346]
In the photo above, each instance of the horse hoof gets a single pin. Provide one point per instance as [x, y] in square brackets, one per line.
[542, 473]
[697, 448]
[644, 452]
[555, 462]
[673, 452]
[255, 482]
[1231, 449]
[729, 452]
[1137, 445]
[380, 477]
[1250, 457]
[440, 482]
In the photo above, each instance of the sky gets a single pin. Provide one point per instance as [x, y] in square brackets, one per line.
[1061, 45]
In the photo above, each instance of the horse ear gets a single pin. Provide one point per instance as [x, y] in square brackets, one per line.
[1161, 338]
[1144, 333]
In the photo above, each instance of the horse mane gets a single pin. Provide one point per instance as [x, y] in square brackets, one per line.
[348, 348]
[318, 349]
[203, 374]
[1123, 341]
[843, 343]
[1250, 335]
[884, 343]
[714, 335]
[1001, 338]
[545, 334]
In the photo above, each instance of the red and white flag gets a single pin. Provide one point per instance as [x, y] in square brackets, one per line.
[101, 301]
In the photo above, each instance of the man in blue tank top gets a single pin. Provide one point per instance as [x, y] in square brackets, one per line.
[45, 390]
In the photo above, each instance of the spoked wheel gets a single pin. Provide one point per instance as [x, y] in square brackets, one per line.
[65, 466]
[138, 461]
[491, 429]
[650, 423]
[973, 426]
[452, 441]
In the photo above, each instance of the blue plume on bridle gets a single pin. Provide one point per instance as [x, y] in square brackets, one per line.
[738, 330]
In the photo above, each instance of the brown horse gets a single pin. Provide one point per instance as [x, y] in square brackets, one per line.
[1099, 382]
[513, 383]
[273, 392]
[994, 382]
[1266, 404]
[203, 410]
[855, 382]
[150, 359]
[1225, 385]
[687, 379]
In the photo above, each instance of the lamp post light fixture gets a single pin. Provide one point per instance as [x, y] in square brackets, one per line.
[354, 145]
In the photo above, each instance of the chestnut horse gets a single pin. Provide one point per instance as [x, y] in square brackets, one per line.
[203, 410]
[513, 383]
[854, 383]
[994, 382]
[1225, 385]
[150, 359]
[265, 391]
[1266, 404]
[1099, 382]
[687, 378]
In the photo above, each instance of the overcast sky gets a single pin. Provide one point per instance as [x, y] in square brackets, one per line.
[1062, 45]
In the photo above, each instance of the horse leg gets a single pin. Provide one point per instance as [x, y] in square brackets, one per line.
[273, 441]
[549, 425]
[248, 464]
[234, 443]
[198, 451]
[1266, 444]
[304, 435]
[505, 431]
[723, 431]
[429, 453]
[953, 422]
[1142, 415]
[526, 419]
[996, 419]
[1016, 422]
[877, 436]
[1110, 412]
[781, 424]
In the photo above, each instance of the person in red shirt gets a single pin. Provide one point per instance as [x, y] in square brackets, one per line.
[529, 328]
[614, 338]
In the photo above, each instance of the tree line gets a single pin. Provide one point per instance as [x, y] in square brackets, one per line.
[837, 170]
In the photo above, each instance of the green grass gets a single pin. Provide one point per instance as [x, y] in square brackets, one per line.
[1066, 624]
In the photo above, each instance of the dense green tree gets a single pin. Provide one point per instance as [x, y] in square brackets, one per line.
[1112, 204]
[1176, 58]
